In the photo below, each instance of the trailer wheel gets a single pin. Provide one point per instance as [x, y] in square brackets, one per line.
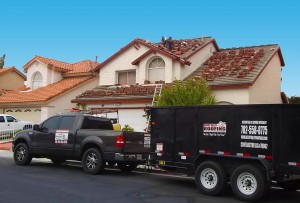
[211, 178]
[248, 183]
[292, 185]
[92, 161]
[127, 167]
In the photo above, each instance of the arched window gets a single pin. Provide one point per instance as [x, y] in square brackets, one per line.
[37, 80]
[156, 70]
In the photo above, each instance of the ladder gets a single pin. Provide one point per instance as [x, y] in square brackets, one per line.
[156, 94]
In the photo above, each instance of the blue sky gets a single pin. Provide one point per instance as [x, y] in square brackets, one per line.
[72, 30]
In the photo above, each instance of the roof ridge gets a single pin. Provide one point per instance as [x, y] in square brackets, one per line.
[53, 59]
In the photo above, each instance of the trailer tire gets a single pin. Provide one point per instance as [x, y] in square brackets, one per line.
[127, 167]
[292, 185]
[92, 161]
[22, 155]
[248, 183]
[211, 178]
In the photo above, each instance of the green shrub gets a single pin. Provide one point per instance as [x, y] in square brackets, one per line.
[128, 128]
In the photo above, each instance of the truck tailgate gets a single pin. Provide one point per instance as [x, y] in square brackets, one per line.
[136, 142]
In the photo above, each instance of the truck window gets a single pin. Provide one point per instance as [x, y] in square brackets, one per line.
[67, 123]
[50, 124]
[2, 119]
[10, 119]
[90, 122]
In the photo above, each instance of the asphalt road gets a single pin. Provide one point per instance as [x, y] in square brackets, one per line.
[45, 182]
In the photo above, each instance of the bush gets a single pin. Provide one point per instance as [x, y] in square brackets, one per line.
[128, 128]
[189, 93]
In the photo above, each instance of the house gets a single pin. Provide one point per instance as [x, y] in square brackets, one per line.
[11, 79]
[245, 75]
[50, 86]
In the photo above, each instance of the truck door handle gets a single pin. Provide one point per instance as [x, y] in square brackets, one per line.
[7, 124]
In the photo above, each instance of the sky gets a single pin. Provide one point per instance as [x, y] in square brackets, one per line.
[73, 30]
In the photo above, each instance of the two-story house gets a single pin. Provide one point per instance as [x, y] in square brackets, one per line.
[50, 86]
[248, 75]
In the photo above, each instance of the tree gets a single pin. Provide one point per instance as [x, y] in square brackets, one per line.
[189, 93]
[294, 100]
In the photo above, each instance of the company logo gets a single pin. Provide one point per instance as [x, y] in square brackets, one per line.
[214, 129]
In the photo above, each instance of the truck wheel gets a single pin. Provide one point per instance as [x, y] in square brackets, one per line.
[21, 155]
[127, 167]
[92, 161]
[210, 178]
[292, 185]
[248, 183]
[58, 161]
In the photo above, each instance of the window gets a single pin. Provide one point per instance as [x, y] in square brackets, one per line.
[127, 78]
[10, 119]
[156, 70]
[2, 119]
[50, 124]
[37, 81]
[91, 122]
[67, 123]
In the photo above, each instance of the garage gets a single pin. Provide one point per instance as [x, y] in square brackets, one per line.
[25, 114]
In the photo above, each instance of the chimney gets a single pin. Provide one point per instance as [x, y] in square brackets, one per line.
[96, 59]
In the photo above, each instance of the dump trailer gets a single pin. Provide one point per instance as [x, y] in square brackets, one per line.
[249, 146]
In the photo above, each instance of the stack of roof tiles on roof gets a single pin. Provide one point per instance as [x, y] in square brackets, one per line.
[44, 94]
[119, 91]
[67, 68]
[237, 65]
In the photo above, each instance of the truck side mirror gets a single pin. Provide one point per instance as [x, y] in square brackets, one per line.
[36, 127]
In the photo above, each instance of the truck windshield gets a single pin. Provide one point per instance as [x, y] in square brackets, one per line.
[91, 122]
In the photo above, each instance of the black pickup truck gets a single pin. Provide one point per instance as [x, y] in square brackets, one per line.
[85, 138]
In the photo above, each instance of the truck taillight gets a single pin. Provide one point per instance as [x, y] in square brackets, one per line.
[120, 141]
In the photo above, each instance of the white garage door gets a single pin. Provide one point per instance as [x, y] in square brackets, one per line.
[25, 114]
[134, 118]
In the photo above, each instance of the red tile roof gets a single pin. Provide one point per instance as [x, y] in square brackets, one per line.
[117, 93]
[182, 50]
[237, 66]
[67, 68]
[8, 69]
[46, 93]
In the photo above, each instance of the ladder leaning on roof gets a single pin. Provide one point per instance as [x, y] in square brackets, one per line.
[156, 94]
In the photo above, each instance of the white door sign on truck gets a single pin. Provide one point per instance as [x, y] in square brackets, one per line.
[61, 136]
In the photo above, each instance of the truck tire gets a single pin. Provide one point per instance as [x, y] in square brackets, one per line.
[58, 161]
[211, 178]
[248, 183]
[292, 185]
[127, 167]
[92, 161]
[22, 156]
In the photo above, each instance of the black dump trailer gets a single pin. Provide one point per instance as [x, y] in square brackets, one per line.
[249, 146]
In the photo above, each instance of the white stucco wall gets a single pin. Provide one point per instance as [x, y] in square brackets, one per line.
[197, 59]
[49, 75]
[267, 88]
[122, 62]
[133, 117]
[234, 96]
[63, 103]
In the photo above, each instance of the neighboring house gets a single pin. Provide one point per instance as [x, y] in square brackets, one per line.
[249, 75]
[11, 79]
[50, 86]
